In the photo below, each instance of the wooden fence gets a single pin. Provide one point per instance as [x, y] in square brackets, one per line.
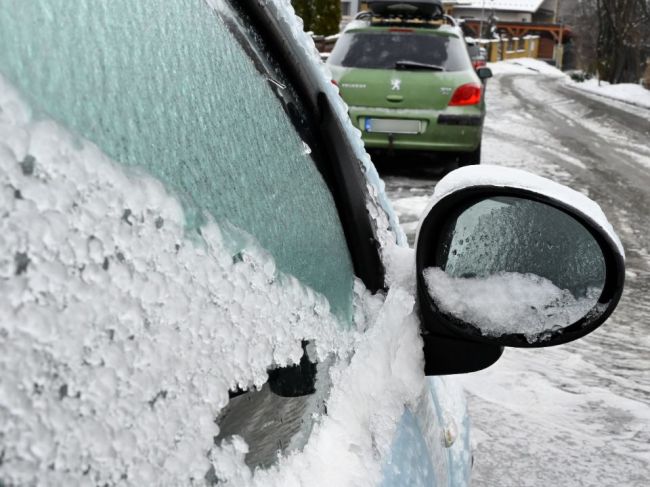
[511, 48]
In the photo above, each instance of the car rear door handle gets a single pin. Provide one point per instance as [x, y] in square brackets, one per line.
[395, 98]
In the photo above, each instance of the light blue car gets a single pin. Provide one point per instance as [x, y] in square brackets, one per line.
[202, 281]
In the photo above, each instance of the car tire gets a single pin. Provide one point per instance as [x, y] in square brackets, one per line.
[470, 158]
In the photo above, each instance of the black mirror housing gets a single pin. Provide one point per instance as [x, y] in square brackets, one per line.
[484, 73]
[456, 344]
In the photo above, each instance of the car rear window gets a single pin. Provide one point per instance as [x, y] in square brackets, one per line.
[382, 49]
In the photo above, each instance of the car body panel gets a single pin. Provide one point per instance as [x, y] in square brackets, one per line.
[410, 463]
[434, 136]
[450, 402]
[411, 94]
[418, 89]
[180, 308]
[419, 453]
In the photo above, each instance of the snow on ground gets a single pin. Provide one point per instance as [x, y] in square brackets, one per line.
[633, 94]
[525, 66]
[626, 92]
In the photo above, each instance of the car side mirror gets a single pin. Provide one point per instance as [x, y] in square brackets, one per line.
[506, 258]
[484, 73]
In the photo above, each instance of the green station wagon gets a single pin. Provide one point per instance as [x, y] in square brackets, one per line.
[410, 85]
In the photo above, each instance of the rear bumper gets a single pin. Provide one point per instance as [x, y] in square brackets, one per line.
[456, 129]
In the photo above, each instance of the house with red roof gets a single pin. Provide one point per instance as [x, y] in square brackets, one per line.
[516, 18]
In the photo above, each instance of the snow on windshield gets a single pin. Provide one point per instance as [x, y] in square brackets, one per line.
[120, 335]
[508, 302]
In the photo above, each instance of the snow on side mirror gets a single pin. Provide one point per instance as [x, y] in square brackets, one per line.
[506, 258]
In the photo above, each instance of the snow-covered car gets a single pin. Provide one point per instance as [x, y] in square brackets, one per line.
[202, 281]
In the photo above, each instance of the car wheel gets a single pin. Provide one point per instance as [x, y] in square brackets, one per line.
[470, 158]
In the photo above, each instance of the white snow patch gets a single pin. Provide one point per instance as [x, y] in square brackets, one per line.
[636, 155]
[565, 157]
[626, 92]
[115, 326]
[364, 408]
[508, 302]
[120, 335]
[526, 66]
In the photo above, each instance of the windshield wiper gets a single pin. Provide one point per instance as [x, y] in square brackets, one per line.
[413, 65]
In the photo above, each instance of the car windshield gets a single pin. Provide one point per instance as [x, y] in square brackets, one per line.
[388, 49]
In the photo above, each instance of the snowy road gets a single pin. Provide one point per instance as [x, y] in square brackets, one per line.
[577, 415]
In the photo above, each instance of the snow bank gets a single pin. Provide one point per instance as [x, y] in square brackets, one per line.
[508, 302]
[630, 93]
[120, 335]
[626, 92]
[526, 66]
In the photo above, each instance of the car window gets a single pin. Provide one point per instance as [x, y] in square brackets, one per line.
[382, 49]
[180, 99]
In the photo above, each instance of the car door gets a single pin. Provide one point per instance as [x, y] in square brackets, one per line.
[172, 159]
[172, 232]
[181, 245]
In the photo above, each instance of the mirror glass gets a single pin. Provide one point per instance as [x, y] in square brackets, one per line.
[509, 265]
[484, 73]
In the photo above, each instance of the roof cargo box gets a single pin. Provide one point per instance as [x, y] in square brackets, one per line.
[414, 8]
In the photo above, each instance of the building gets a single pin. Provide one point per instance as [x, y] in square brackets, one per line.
[507, 10]
[508, 18]
[516, 18]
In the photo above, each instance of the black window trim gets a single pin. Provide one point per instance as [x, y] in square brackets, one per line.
[340, 168]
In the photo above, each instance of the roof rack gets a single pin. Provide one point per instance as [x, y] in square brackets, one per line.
[422, 8]
[403, 20]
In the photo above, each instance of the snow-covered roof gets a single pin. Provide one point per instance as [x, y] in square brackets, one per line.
[515, 5]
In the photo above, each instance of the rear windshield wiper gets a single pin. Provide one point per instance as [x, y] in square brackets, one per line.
[413, 65]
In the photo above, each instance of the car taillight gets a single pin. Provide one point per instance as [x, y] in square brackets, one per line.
[479, 64]
[468, 94]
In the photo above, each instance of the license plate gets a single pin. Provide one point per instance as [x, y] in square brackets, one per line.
[392, 126]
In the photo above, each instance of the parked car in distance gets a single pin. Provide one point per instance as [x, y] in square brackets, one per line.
[203, 283]
[477, 54]
[409, 83]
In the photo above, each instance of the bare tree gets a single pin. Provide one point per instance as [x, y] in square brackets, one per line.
[582, 16]
[622, 33]
[613, 37]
